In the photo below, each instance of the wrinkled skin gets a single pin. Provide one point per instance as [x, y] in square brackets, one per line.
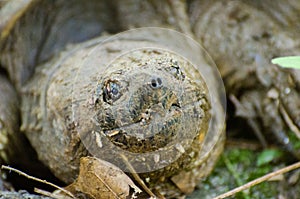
[241, 37]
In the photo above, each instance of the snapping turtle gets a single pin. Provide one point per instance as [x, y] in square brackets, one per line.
[147, 98]
[241, 36]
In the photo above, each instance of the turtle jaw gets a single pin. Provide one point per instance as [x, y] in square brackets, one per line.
[159, 128]
[151, 133]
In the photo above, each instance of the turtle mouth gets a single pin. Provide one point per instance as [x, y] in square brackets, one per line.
[152, 131]
[156, 130]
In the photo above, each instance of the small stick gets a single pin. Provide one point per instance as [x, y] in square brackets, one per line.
[259, 180]
[37, 179]
[289, 121]
[49, 194]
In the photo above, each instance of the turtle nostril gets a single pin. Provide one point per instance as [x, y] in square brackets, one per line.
[153, 83]
[156, 83]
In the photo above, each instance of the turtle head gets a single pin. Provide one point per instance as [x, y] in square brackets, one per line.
[144, 106]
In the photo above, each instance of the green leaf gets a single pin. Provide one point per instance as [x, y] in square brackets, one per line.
[288, 62]
[267, 156]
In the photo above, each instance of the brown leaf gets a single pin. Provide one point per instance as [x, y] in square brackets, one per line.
[100, 179]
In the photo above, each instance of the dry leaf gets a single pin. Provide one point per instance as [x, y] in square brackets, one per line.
[100, 179]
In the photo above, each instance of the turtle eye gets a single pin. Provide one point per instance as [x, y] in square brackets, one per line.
[111, 92]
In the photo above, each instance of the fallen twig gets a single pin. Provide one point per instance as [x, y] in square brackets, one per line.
[49, 194]
[259, 180]
[37, 179]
